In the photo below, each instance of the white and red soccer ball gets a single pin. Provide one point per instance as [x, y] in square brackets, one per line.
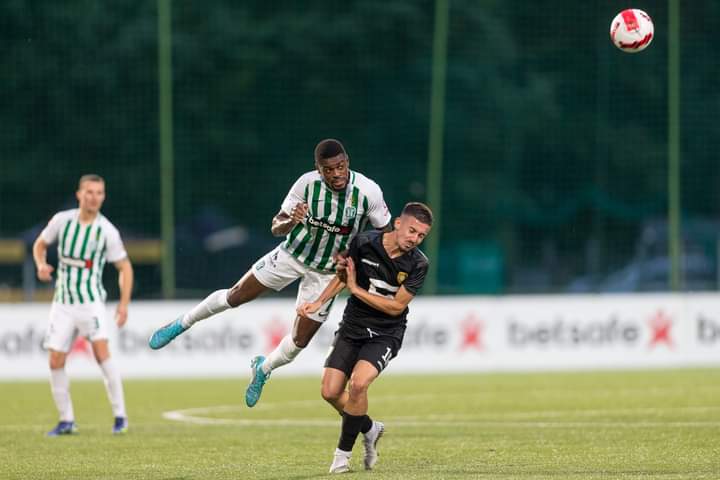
[632, 30]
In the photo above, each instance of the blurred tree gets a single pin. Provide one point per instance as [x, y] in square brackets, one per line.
[555, 141]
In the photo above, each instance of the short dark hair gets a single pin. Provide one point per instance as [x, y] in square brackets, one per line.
[328, 148]
[420, 211]
[90, 177]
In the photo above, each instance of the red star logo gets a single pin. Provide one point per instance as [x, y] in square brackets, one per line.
[81, 347]
[275, 333]
[471, 333]
[660, 325]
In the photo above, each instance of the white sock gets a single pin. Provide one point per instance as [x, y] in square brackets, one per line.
[114, 388]
[284, 353]
[60, 386]
[343, 453]
[216, 302]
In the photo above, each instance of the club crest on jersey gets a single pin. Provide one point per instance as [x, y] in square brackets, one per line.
[350, 212]
[401, 277]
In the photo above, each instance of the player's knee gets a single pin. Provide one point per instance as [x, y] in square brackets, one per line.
[234, 296]
[304, 330]
[100, 357]
[245, 290]
[301, 341]
[329, 394]
[358, 387]
[56, 362]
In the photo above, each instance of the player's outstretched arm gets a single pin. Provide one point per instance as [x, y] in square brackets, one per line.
[44, 270]
[333, 288]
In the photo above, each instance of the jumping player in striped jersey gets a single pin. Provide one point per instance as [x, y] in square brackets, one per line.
[323, 211]
[86, 242]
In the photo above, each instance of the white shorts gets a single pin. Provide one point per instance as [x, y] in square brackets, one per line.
[69, 321]
[278, 269]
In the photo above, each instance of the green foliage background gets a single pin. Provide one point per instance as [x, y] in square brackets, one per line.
[555, 147]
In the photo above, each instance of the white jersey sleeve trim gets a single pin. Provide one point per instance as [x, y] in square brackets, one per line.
[297, 191]
[378, 212]
[115, 247]
[51, 232]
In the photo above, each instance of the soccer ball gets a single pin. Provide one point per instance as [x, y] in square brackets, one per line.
[632, 30]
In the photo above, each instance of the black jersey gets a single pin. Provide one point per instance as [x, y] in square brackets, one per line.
[381, 275]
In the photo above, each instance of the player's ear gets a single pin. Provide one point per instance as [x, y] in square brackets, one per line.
[397, 223]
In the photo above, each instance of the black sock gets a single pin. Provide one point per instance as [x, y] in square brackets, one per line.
[351, 426]
[366, 425]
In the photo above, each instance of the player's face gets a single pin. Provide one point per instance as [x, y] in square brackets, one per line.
[91, 196]
[334, 171]
[410, 232]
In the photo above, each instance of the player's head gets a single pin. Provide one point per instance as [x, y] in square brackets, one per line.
[333, 163]
[90, 193]
[413, 225]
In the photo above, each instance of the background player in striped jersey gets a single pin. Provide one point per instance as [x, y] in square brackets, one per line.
[383, 272]
[86, 241]
[323, 211]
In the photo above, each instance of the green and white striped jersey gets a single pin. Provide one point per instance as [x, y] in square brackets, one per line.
[83, 251]
[334, 218]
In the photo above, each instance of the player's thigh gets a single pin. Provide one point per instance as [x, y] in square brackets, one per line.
[378, 351]
[362, 376]
[343, 354]
[61, 330]
[311, 286]
[277, 269]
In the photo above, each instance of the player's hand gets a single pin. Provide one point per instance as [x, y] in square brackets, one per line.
[121, 315]
[340, 260]
[350, 272]
[299, 212]
[44, 272]
[308, 308]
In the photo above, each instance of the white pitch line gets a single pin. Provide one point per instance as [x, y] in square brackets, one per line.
[198, 416]
[402, 422]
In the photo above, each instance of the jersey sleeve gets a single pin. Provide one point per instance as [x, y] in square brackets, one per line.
[415, 280]
[297, 194]
[378, 212]
[51, 231]
[115, 247]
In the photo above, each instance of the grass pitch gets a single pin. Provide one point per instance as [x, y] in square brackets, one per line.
[585, 425]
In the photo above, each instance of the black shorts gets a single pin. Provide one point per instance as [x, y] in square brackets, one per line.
[346, 351]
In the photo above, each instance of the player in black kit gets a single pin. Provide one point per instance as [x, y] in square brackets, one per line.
[383, 272]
